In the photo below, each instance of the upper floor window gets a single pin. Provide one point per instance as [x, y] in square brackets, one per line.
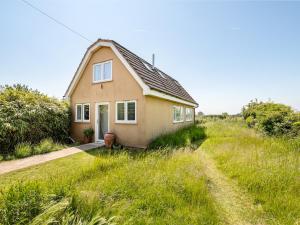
[177, 114]
[102, 72]
[82, 113]
[126, 111]
[188, 114]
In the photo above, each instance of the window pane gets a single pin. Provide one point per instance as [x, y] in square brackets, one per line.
[86, 112]
[131, 110]
[97, 72]
[120, 111]
[107, 71]
[78, 112]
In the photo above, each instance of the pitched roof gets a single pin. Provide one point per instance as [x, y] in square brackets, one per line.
[154, 78]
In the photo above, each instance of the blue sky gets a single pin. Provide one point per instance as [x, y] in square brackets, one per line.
[223, 53]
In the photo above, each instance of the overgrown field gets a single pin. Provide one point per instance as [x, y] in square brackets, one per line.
[167, 185]
[126, 187]
[266, 167]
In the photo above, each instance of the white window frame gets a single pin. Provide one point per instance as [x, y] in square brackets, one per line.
[147, 66]
[182, 116]
[186, 113]
[126, 121]
[102, 72]
[82, 120]
[161, 74]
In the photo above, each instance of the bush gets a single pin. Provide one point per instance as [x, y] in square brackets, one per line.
[271, 118]
[27, 115]
[182, 137]
[88, 132]
[23, 150]
[46, 145]
[20, 204]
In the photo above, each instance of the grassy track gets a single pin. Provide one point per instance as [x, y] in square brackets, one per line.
[267, 168]
[236, 206]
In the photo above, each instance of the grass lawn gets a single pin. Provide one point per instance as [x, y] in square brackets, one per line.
[268, 168]
[138, 188]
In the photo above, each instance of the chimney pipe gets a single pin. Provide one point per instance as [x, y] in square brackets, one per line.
[153, 61]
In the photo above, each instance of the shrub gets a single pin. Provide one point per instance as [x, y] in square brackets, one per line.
[23, 150]
[88, 132]
[46, 145]
[182, 137]
[27, 115]
[271, 118]
[20, 204]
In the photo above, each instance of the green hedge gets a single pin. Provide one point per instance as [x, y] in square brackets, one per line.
[271, 118]
[29, 116]
[180, 138]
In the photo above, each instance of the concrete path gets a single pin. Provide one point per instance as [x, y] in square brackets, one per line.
[13, 165]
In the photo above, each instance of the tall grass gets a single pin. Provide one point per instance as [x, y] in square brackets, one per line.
[130, 187]
[180, 138]
[266, 167]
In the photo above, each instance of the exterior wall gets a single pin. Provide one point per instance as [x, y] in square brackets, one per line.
[122, 87]
[154, 115]
[159, 117]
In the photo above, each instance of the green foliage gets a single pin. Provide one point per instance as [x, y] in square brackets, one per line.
[266, 167]
[88, 132]
[271, 118]
[23, 150]
[46, 145]
[62, 213]
[137, 187]
[28, 116]
[20, 204]
[182, 137]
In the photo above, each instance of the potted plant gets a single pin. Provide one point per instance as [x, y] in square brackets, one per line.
[88, 135]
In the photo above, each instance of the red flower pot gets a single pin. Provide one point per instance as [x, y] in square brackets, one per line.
[109, 139]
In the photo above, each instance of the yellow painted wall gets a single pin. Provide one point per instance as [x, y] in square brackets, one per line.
[159, 114]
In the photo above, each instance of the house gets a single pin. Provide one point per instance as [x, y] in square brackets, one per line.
[115, 90]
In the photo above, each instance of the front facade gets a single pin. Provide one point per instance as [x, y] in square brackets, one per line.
[109, 94]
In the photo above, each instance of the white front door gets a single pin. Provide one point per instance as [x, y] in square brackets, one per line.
[102, 121]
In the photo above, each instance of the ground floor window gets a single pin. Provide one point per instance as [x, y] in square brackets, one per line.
[188, 114]
[126, 111]
[178, 114]
[82, 112]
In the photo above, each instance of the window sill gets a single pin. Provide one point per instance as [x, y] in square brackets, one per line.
[82, 121]
[101, 81]
[188, 120]
[181, 121]
[125, 122]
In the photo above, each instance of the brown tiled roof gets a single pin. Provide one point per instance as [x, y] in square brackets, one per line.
[154, 77]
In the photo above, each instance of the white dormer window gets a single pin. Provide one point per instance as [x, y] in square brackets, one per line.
[147, 66]
[161, 74]
[102, 72]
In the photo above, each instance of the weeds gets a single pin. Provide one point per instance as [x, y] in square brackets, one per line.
[180, 138]
[132, 188]
[46, 145]
[268, 168]
[23, 150]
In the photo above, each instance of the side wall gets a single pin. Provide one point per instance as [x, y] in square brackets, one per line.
[159, 117]
[122, 87]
